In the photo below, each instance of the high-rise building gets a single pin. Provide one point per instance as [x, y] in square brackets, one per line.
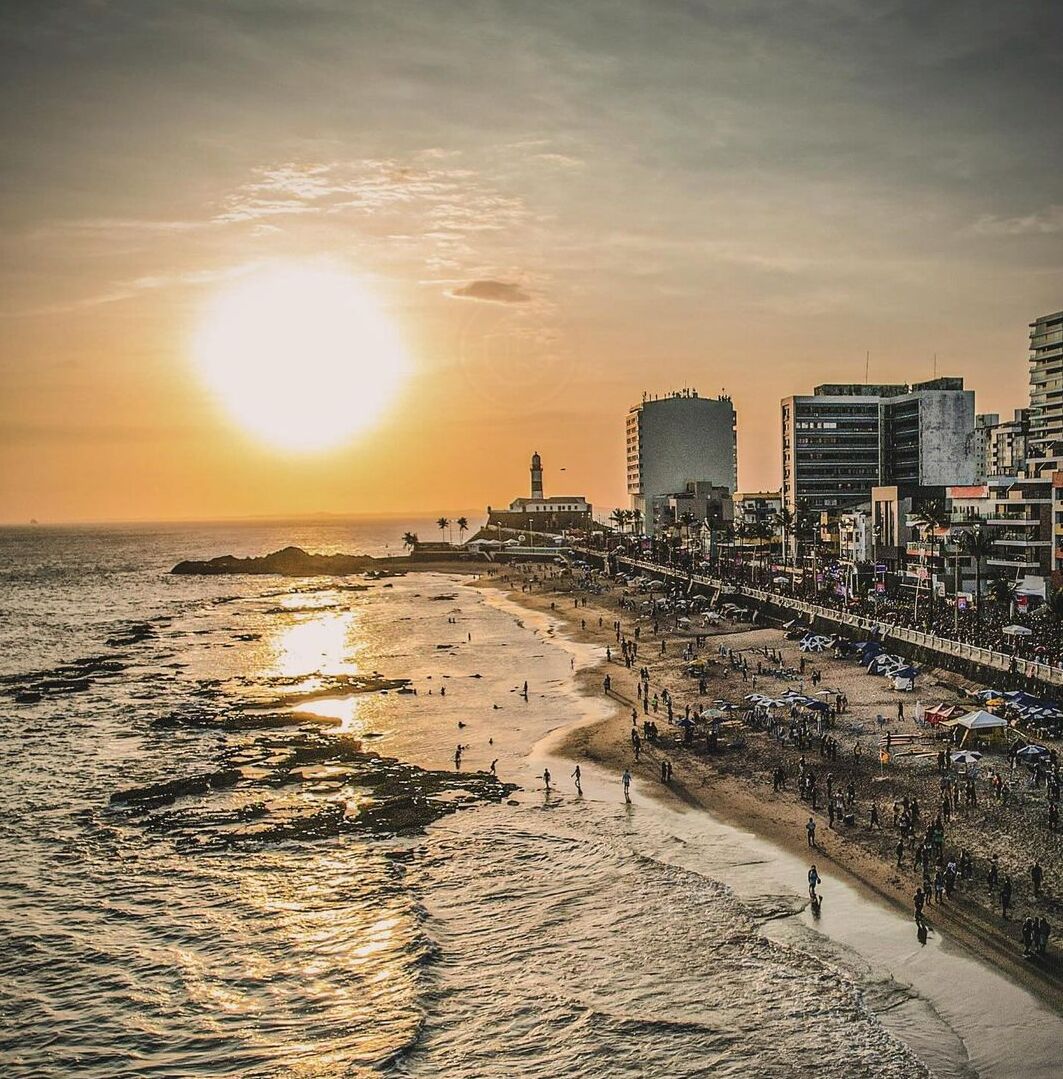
[677, 440]
[843, 440]
[1046, 386]
[1044, 444]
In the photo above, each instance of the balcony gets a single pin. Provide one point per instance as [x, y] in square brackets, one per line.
[1013, 563]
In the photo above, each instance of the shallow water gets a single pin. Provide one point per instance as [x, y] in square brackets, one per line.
[548, 937]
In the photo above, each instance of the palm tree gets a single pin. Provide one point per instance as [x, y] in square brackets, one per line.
[931, 519]
[463, 526]
[1003, 591]
[409, 540]
[444, 523]
[1055, 602]
[620, 517]
[784, 520]
[636, 519]
[977, 544]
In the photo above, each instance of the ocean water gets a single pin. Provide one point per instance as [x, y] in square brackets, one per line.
[537, 936]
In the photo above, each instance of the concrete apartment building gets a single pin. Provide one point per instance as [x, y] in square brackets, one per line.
[674, 441]
[843, 440]
[1019, 502]
[1002, 443]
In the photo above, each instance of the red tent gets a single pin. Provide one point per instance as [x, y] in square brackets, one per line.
[940, 712]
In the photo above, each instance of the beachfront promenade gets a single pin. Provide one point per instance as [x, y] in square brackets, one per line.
[972, 653]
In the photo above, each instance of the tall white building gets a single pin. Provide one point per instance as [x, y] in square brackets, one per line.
[675, 441]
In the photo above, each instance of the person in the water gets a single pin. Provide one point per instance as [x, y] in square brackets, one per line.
[813, 880]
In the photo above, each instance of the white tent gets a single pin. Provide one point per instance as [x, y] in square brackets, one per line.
[1017, 631]
[978, 723]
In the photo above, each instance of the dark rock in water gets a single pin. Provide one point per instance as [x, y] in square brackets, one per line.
[288, 562]
[295, 562]
[133, 634]
[403, 798]
[76, 676]
[244, 721]
[175, 788]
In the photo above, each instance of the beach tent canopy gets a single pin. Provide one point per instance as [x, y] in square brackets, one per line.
[977, 721]
[940, 712]
[1017, 631]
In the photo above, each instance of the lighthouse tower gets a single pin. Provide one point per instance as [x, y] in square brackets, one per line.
[536, 476]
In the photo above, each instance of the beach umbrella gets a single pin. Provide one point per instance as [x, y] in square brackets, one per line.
[755, 696]
[1029, 753]
[818, 706]
[815, 644]
[965, 756]
[685, 723]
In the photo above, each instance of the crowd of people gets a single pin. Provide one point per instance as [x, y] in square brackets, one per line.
[835, 784]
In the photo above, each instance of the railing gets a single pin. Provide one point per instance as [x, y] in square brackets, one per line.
[985, 657]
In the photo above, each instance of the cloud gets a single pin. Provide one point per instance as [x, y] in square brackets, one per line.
[492, 292]
[1042, 223]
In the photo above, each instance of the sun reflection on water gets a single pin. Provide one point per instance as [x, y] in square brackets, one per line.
[321, 644]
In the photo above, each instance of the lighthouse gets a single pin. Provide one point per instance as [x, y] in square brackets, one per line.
[536, 476]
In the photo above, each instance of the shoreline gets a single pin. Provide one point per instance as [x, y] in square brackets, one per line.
[749, 804]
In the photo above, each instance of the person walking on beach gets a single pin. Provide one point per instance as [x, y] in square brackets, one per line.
[626, 780]
[813, 880]
[1037, 875]
[1005, 897]
[546, 779]
[524, 691]
[576, 777]
[494, 767]
[810, 831]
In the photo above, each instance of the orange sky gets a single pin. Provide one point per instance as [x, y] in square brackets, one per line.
[558, 206]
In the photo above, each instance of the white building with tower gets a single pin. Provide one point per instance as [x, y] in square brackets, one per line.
[540, 513]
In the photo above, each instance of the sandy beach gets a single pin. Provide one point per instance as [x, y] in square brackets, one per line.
[736, 785]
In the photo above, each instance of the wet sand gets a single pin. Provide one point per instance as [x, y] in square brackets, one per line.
[744, 799]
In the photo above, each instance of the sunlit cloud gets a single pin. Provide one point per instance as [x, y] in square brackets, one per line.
[1043, 222]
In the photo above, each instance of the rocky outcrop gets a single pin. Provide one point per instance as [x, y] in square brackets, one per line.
[295, 562]
[264, 783]
[287, 562]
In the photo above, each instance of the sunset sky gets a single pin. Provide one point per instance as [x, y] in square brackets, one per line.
[555, 206]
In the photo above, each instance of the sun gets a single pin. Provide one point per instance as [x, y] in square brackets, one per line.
[300, 357]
